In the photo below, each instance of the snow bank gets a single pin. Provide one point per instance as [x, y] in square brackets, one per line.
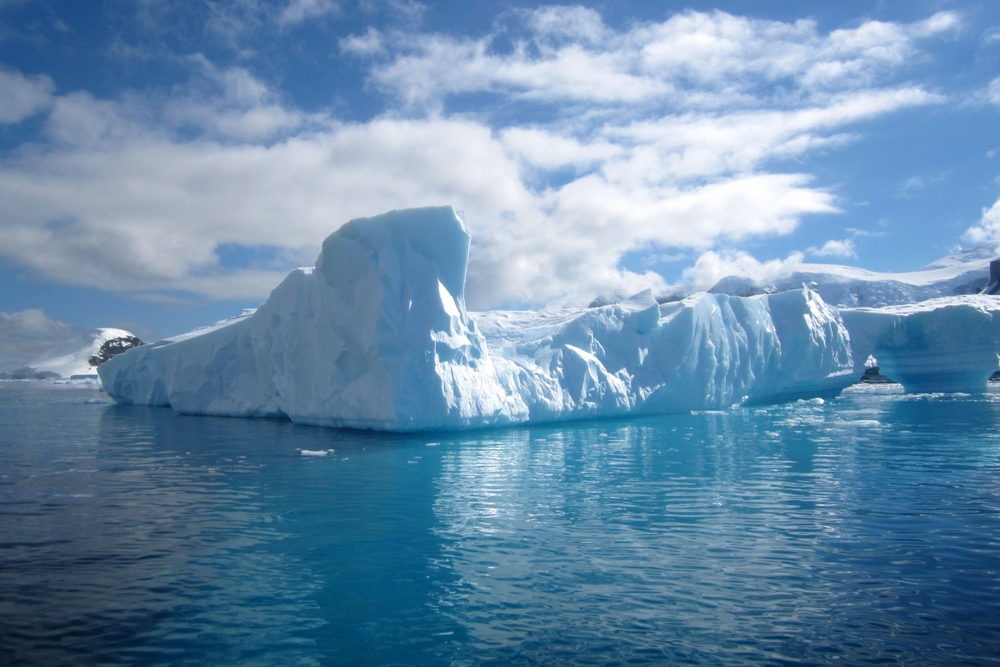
[377, 336]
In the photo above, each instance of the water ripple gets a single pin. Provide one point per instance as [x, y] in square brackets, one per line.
[855, 531]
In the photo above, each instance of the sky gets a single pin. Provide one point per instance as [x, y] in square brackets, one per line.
[164, 163]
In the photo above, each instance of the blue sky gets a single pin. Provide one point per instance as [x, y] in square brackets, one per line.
[163, 163]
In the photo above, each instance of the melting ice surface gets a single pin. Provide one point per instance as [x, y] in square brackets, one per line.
[377, 336]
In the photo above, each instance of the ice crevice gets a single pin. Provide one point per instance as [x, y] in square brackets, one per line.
[378, 337]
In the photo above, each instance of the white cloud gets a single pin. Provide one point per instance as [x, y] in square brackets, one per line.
[693, 59]
[546, 150]
[367, 44]
[833, 248]
[570, 23]
[226, 105]
[712, 267]
[236, 105]
[696, 145]
[663, 137]
[988, 228]
[27, 334]
[298, 11]
[149, 213]
[991, 93]
[408, 10]
[22, 97]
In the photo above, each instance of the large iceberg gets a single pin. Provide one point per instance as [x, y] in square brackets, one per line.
[377, 336]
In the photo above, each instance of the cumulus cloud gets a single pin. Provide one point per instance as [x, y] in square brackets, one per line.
[232, 104]
[547, 150]
[22, 97]
[713, 266]
[833, 248]
[368, 44]
[27, 334]
[662, 135]
[988, 228]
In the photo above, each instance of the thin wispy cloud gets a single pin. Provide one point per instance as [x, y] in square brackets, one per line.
[693, 60]
[298, 11]
[22, 96]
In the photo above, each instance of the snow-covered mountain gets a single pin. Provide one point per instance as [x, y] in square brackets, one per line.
[71, 358]
[964, 272]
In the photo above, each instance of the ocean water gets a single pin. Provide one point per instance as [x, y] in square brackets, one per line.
[862, 530]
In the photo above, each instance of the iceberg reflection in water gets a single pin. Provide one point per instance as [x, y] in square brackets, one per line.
[864, 528]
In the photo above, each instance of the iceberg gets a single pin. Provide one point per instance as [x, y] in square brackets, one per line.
[948, 344]
[377, 336]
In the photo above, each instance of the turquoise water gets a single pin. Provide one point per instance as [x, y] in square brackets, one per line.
[862, 530]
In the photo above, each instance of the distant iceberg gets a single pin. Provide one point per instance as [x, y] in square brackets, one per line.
[377, 336]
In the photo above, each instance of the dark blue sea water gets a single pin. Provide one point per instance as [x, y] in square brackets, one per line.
[863, 530]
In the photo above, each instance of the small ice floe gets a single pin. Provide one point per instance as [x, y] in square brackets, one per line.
[433, 444]
[314, 452]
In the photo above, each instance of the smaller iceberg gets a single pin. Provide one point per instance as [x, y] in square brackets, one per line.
[948, 344]
[377, 336]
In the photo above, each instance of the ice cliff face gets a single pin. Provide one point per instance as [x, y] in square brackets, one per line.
[377, 336]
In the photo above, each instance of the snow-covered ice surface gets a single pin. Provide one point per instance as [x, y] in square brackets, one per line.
[377, 336]
[73, 357]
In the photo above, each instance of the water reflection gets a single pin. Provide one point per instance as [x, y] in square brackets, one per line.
[133, 541]
[764, 535]
[856, 530]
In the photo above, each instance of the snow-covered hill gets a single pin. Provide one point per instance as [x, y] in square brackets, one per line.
[964, 272]
[70, 358]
